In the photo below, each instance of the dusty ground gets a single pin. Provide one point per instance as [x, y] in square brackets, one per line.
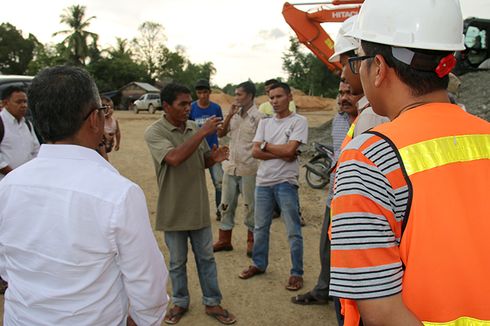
[262, 300]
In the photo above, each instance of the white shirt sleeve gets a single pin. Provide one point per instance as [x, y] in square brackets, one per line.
[300, 131]
[142, 266]
[260, 133]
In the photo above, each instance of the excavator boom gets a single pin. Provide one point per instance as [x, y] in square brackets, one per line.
[307, 26]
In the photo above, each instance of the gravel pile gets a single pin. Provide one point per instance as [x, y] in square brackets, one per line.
[474, 93]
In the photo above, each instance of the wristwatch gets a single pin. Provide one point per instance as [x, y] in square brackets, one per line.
[263, 146]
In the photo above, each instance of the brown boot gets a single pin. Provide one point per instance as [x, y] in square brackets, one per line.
[224, 241]
[250, 243]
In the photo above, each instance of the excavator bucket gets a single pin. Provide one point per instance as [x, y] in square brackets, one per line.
[310, 33]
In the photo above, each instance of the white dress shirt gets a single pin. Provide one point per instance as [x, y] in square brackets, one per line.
[19, 144]
[76, 244]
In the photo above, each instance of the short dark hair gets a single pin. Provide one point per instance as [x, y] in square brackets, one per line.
[270, 82]
[282, 85]
[420, 82]
[60, 98]
[8, 91]
[202, 84]
[170, 92]
[248, 87]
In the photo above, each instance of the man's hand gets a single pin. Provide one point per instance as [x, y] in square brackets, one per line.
[6, 170]
[290, 158]
[130, 322]
[116, 147]
[219, 154]
[234, 109]
[211, 125]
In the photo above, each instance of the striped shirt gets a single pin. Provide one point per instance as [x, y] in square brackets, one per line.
[340, 127]
[370, 202]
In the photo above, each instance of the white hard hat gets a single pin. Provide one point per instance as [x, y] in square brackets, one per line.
[420, 24]
[343, 43]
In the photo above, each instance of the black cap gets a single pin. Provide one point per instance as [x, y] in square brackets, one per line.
[202, 84]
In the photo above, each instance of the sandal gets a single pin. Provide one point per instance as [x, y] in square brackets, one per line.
[294, 283]
[249, 272]
[174, 315]
[307, 299]
[221, 315]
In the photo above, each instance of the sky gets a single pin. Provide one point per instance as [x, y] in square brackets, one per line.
[244, 39]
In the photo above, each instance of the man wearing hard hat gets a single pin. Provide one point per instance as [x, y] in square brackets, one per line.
[409, 212]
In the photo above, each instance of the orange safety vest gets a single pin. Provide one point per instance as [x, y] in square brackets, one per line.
[444, 247]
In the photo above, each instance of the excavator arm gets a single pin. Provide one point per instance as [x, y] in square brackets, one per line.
[307, 26]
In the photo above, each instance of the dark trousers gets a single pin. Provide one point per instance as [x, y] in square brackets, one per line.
[323, 283]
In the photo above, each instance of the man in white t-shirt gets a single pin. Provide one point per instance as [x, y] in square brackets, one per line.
[276, 144]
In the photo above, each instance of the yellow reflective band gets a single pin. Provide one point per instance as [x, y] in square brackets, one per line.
[462, 321]
[350, 133]
[445, 150]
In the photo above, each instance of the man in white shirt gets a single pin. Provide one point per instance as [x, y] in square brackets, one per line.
[266, 107]
[276, 144]
[76, 243]
[18, 142]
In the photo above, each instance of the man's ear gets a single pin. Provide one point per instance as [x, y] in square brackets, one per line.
[382, 69]
[165, 106]
[93, 121]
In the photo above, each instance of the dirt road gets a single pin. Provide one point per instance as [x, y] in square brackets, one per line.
[262, 300]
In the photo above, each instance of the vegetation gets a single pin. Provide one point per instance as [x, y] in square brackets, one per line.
[307, 73]
[145, 58]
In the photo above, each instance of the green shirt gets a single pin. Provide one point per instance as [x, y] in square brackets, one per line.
[183, 202]
[267, 109]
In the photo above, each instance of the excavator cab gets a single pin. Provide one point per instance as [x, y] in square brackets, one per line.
[477, 33]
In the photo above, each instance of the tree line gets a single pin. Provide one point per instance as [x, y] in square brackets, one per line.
[145, 58]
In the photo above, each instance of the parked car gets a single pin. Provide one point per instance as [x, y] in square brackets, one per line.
[14, 80]
[148, 102]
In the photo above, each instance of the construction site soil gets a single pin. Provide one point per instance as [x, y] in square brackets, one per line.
[262, 300]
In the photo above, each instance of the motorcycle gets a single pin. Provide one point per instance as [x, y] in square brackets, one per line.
[319, 166]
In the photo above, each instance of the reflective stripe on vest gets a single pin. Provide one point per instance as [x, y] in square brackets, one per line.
[350, 135]
[421, 156]
[462, 321]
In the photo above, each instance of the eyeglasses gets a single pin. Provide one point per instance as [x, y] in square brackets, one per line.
[104, 108]
[355, 62]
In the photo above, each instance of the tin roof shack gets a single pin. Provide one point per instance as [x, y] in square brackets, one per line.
[132, 91]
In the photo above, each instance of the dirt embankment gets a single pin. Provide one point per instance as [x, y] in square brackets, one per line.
[474, 93]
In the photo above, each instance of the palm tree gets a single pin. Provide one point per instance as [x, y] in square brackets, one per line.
[77, 39]
[122, 49]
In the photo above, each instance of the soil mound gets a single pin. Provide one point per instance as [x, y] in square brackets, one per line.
[474, 93]
[303, 102]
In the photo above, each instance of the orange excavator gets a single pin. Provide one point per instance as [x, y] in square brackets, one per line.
[307, 26]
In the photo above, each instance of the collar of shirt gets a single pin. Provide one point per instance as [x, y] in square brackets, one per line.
[362, 103]
[188, 125]
[282, 119]
[8, 117]
[73, 152]
[252, 111]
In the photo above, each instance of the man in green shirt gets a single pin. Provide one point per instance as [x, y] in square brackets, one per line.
[180, 155]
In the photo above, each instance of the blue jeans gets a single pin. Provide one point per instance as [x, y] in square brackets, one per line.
[216, 172]
[285, 195]
[202, 246]
[233, 185]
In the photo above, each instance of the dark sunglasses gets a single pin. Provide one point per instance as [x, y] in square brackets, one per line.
[355, 62]
[104, 108]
